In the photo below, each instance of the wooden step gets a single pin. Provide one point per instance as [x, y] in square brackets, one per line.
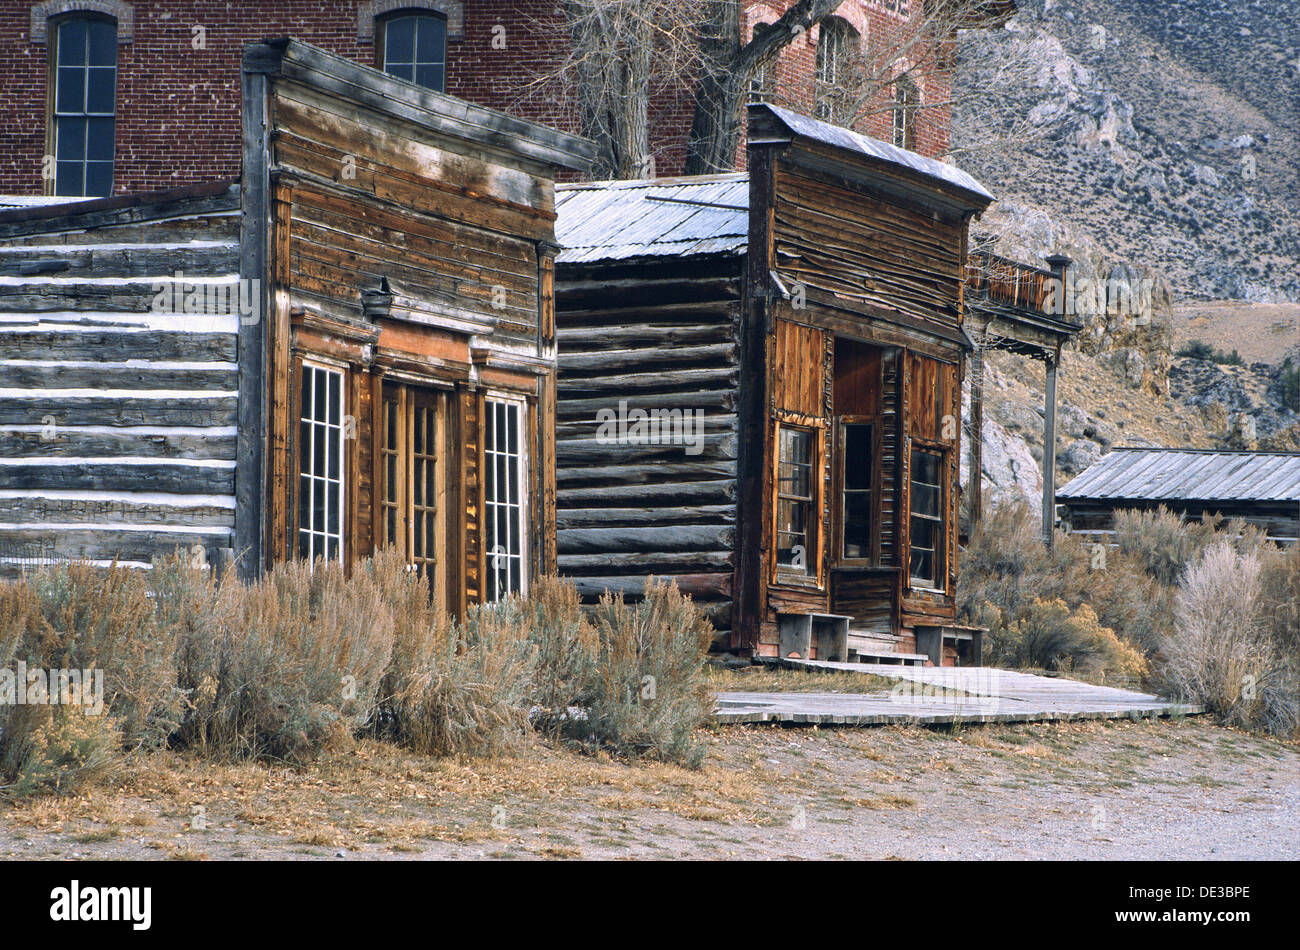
[887, 657]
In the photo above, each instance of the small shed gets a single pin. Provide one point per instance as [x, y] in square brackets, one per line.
[1260, 488]
[759, 391]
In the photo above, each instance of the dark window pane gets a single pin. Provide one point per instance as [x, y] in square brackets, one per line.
[68, 180]
[332, 521]
[335, 416]
[402, 71]
[71, 90]
[99, 140]
[399, 41]
[334, 435]
[103, 43]
[857, 456]
[71, 135]
[512, 429]
[72, 43]
[432, 39]
[430, 77]
[99, 179]
[857, 524]
[318, 405]
[101, 91]
[318, 505]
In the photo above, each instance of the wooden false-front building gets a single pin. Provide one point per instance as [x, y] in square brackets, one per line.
[759, 391]
[352, 347]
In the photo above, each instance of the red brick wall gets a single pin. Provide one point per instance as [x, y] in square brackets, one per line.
[178, 107]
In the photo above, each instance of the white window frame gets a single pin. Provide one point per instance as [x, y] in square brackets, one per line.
[317, 541]
[494, 568]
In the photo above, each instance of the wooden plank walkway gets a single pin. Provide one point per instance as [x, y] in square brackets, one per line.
[945, 695]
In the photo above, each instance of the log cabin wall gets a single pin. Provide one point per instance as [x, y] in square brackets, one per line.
[410, 348]
[659, 339]
[118, 321]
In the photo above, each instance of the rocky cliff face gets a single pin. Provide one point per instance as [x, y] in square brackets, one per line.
[1158, 133]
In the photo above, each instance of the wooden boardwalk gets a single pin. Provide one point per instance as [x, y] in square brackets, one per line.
[944, 696]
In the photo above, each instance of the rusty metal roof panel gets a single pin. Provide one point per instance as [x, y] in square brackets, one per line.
[1154, 474]
[660, 217]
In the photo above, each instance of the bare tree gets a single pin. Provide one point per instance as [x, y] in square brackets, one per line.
[625, 54]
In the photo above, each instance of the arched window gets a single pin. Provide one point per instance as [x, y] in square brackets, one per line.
[413, 46]
[762, 84]
[83, 127]
[906, 100]
[839, 55]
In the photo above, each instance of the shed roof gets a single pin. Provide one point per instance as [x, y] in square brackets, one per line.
[1167, 475]
[660, 217]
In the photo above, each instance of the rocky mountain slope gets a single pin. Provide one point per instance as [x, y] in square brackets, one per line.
[1164, 131]
[1153, 140]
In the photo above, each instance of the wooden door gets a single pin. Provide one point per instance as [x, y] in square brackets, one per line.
[413, 479]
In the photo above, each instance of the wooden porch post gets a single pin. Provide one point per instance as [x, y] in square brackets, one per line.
[975, 480]
[1049, 449]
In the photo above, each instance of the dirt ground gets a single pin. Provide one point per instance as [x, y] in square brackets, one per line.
[1137, 790]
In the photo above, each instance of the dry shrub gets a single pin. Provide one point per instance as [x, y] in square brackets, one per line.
[1049, 635]
[1162, 542]
[101, 618]
[1007, 577]
[288, 663]
[1222, 654]
[57, 749]
[449, 689]
[567, 648]
[68, 618]
[648, 693]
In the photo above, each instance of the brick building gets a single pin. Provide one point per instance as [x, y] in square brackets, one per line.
[173, 69]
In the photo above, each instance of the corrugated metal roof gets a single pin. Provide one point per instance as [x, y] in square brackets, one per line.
[659, 217]
[864, 144]
[34, 201]
[1189, 474]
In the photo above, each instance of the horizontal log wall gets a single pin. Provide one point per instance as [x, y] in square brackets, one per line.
[653, 340]
[118, 389]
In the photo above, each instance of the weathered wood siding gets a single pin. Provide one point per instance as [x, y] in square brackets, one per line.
[663, 341]
[865, 250]
[411, 245]
[118, 386]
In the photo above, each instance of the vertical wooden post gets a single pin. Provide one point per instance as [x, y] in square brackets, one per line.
[1049, 450]
[975, 481]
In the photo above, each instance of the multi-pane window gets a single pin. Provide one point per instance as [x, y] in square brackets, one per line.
[856, 476]
[927, 534]
[320, 467]
[504, 481]
[906, 99]
[795, 484]
[415, 49]
[838, 56]
[761, 84]
[85, 84]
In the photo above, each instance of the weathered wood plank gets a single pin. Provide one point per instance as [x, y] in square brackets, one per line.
[111, 475]
[120, 411]
[63, 441]
[117, 346]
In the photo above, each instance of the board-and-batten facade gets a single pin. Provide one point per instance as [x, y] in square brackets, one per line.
[380, 370]
[807, 316]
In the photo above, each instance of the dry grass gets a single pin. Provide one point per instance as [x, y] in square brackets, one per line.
[376, 799]
[765, 679]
